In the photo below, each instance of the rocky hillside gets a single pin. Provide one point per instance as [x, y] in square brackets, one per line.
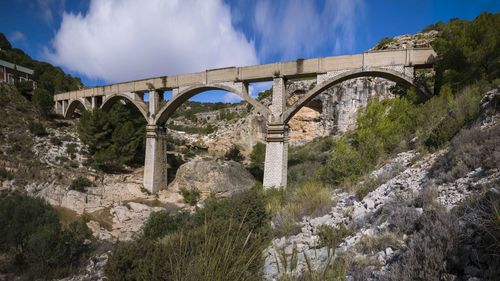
[415, 211]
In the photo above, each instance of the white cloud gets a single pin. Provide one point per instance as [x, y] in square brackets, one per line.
[17, 37]
[289, 29]
[231, 98]
[130, 39]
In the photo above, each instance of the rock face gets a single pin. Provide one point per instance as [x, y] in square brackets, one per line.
[222, 178]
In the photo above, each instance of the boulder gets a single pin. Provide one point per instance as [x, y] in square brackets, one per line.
[222, 178]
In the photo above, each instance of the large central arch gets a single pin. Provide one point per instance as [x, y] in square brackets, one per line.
[139, 104]
[372, 72]
[177, 100]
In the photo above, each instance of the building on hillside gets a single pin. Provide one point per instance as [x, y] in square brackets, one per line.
[10, 72]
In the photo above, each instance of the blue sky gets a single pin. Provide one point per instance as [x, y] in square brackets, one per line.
[106, 41]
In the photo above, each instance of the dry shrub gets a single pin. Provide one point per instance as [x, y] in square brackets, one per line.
[469, 150]
[429, 248]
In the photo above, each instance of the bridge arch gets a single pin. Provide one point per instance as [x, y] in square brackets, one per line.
[73, 105]
[164, 113]
[132, 98]
[388, 74]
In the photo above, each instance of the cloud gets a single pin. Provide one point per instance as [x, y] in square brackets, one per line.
[126, 40]
[289, 29]
[231, 98]
[48, 9]
[17, 37]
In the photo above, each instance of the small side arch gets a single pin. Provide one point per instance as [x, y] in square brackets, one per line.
[372, 72]
[167, 110]
[131, 97]
[73, 105]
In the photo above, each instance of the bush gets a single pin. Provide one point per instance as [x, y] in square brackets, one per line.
[434, 242]
[80, 183]
[191, 196]
[4, 174]
[257, 158]
[470, 149]
[222, 241]
[234, 154]
[344, 162]
[31, 234]
[162, 223]
[37, 129]
[330, 236]
[43, 101]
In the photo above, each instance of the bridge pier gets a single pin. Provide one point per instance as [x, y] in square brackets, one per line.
[155, 164]
[276, 161]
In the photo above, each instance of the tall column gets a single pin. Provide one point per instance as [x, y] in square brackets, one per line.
[155, 166]
[64, 107]
[58, 107]
[276, 162]
[93, 102]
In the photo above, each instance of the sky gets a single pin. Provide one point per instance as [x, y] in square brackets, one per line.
[108, 41]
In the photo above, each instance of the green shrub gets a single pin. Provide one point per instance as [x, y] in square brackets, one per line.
[330, 236]
[43, 101]
[37, 129]
[162, 223]
[4, 174]
[344, 162]
[32, 235]
[191, 196]
[257, 158]
[222, 241]
[234, 154]
[80, 183]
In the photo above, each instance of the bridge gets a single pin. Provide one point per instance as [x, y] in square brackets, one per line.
[396, 65]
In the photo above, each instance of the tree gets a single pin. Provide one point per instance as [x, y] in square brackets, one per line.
[43, 101]
[234, 154]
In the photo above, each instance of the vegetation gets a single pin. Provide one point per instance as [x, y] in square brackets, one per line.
[114, 138]
[222, 241]
[469, 51]
[257, 158]
[191, 196]
[37, 129]
[234, 154]
[33, 243]
[203, 130]
[49, 79]
[80, 183]
[190, 108]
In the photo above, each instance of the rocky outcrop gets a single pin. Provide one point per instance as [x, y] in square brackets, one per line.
[220, 178]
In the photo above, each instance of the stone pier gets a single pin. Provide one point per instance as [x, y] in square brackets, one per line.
[276, 162]
[155, 164]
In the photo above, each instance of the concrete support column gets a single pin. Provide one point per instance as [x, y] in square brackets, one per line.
[155, 166]
[154, 105]
[58, 107]
[93, 102]
[64, 107]
[276, 162]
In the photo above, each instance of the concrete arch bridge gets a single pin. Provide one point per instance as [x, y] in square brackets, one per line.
[395, 65]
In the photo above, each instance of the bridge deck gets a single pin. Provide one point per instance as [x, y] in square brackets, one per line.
[266, 72]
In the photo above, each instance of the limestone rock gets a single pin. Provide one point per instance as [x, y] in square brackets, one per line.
[222, 178]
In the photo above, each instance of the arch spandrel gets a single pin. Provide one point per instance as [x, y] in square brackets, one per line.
[388, 74]
[138, 103]
[186, 93]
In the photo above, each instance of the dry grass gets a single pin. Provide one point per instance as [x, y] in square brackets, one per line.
[103, 217]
